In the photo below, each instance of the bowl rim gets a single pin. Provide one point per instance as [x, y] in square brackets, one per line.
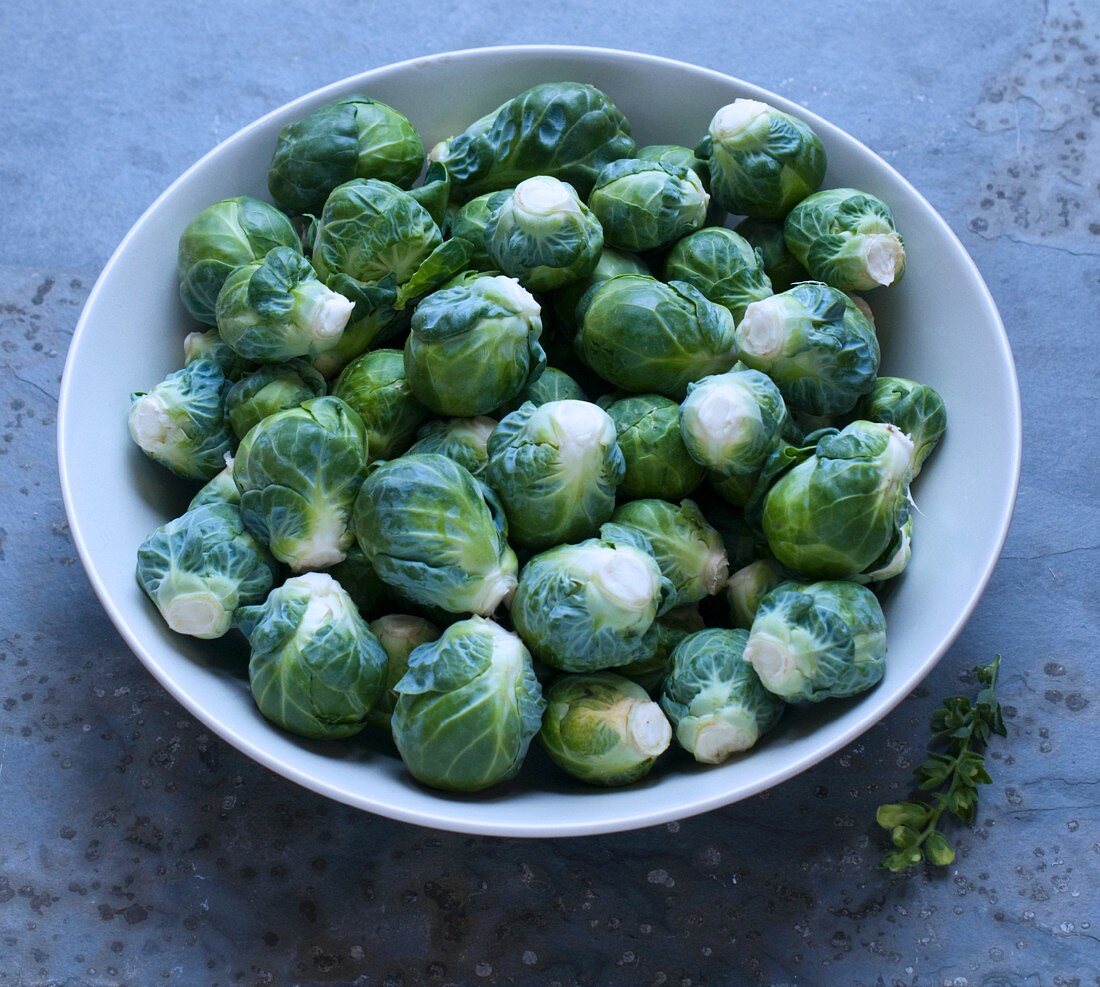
[444, 816]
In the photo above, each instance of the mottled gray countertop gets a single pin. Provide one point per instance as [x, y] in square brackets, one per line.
[136, 849]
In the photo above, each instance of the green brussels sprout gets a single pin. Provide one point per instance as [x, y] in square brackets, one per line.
[649, 337]
[611, 264]
[555, 469]
[603, 729]
[220, 489]
[815, 344]
[471, 221]
[374, 386]
[199, 568]
[766, 238]
[370, 230]
[838, 513]
[567, 130]
[731, 422]
[847, 239]
[672, 628]
[474, 346]
[357, 576]
[762, 161]
[590, 606]
[722, 266]
[316, 669]
[678, 156]
[688, 551]
[647, 205]
[465, 440]
[436, 534]
[181, 424]
[299, 472]
[268, 390]
[818, 641]
[714, 698]
[551, 385]
[400, 635]
[748, 586]
[467, 708]
[276, 309]
[353, 137]
[543, 235]
[916, 409]
[220, 239]
[209, 345]
[657, 461]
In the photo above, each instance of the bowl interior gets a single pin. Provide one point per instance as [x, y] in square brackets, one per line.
[939, 325]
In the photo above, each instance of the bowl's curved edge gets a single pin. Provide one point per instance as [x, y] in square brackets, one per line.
[441, 817]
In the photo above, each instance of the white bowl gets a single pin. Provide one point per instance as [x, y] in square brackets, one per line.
[939, 325]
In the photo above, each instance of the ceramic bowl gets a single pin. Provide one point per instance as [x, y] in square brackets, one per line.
[938, 325]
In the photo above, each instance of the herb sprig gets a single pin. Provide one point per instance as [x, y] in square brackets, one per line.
[952, 774]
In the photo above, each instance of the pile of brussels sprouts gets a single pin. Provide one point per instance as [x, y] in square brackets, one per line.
[542, 444]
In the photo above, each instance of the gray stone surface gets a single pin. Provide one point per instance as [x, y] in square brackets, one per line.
[137, 849]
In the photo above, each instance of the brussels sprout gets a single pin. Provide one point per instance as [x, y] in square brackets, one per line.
[181, 422]
[590, 606]
[276, 309]
[818, 641]
[467, 708]
[543, 235]
[847, 239]
[474, 346]
[603, 729]
[611, 264]
[220, 239]
[645, 336]
[400, 635]
[714, 697]
[748, 586]
[316, 669]
[762, 161]
[555, 469]
[357, 576]
[209, 345]
[465, 440]
[270, 389]
[657, 461]
[436, 534]
[678, 156]
[471, 222]
[672, 628]
[688, 551]
[567, 130]
[916, 409]
[199, 568]
[815, 344]
[837, 513]
[766, 238]
[646, 205]
[722, 266]
[731, 422]
[219, 490]
[551, 385]
[353, 137]
[299, 472]
[370, 230]
[375, 388]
